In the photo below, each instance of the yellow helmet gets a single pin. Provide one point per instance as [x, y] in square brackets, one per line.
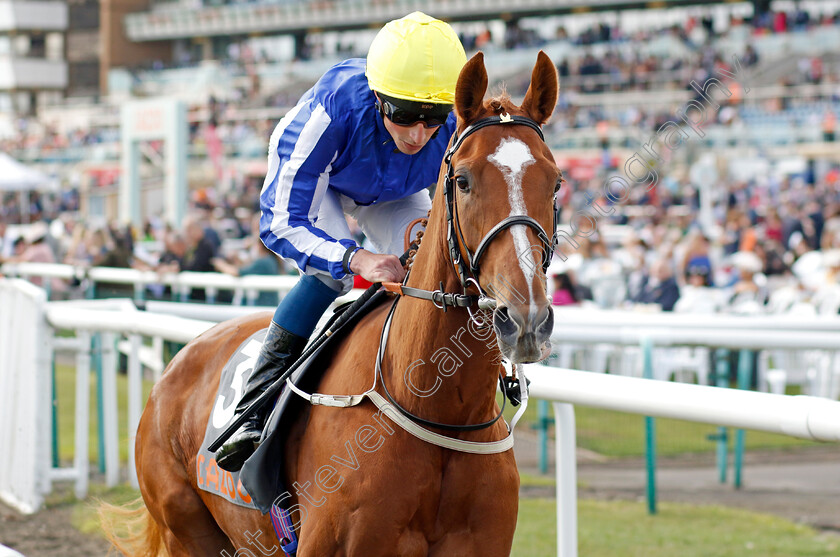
[416, 58]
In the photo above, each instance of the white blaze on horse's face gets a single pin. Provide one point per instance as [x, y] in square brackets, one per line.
[512, 157]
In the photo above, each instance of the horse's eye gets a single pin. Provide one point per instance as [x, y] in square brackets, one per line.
[463, 183]
[559, 183]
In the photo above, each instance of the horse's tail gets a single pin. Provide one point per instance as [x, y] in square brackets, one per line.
[131, 529]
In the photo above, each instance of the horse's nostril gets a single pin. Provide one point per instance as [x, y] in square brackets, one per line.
[516, 329]
[546, 324]
[504, 322]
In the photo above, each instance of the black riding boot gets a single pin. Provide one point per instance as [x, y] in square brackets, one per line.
[280, 350]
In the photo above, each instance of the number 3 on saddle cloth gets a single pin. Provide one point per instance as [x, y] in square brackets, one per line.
[262, 472]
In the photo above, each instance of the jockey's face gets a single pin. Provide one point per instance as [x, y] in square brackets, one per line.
[409, 139]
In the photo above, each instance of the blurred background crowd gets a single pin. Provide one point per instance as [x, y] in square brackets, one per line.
[744, 219]
[599, 59]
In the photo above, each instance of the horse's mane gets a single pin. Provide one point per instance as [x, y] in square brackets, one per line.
[500, 102]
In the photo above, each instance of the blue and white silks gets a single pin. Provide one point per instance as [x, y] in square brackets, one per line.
[335, 143]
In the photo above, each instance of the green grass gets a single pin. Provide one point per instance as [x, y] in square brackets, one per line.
[617, 434]
[619, 528]
[615, 529]
[536, 480]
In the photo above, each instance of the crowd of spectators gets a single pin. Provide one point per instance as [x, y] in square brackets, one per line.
[623, 67]
[34, 136]
[773, 246]
[213, 238]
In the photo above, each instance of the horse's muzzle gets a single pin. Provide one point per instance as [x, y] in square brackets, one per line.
[524, 333]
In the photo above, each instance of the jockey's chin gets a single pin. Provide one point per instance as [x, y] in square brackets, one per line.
[408, 148]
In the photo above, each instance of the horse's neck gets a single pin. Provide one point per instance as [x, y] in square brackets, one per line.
[439, 365]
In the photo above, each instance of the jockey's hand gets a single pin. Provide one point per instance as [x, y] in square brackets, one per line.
[375, 267]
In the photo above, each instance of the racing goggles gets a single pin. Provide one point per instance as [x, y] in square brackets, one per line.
[409, 113]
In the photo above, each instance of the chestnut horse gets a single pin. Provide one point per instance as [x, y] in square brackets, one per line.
[384, 491]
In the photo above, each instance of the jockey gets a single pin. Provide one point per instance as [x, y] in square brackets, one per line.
[367, 140]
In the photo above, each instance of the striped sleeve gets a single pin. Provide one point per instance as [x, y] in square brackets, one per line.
[301, 151]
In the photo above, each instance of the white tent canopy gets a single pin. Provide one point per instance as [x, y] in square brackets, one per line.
[15, 176]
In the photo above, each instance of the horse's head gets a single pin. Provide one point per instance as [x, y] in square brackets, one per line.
[503, 180]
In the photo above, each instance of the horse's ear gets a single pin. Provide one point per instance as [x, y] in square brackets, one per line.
[469, 92]
[541, 97]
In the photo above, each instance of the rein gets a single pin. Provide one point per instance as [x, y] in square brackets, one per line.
[383, 341]
[466, 265]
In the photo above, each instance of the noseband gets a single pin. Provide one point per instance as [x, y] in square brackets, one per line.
[465, 262]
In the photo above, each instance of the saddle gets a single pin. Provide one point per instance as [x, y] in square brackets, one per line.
[258, 484]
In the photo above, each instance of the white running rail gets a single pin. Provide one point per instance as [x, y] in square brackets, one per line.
[24, 396]
[798, 416]
[29, 344]
[245, 289]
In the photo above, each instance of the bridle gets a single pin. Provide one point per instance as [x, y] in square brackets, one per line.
[466, 264]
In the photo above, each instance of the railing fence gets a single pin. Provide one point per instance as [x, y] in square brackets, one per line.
[27, 344]
[25, 400]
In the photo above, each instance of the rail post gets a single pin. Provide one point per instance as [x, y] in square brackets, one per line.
[650, 429]
[745, 367]
[135, 403]
[82, 422]
[566, 465]
[722, 437]
[110, 441]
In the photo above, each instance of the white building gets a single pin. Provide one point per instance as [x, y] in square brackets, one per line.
[33, 67]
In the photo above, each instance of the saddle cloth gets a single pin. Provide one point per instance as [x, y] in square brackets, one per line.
[259, 482]
[232, 383]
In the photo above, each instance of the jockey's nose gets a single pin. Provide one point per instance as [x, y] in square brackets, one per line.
[417, 133]
[524, 328]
